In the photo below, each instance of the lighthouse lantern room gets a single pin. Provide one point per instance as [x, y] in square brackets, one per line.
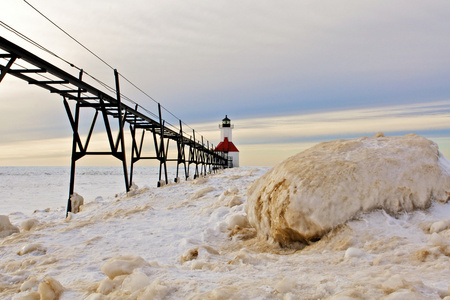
[226, 145]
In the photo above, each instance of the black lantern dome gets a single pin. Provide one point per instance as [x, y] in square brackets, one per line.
[226, 122]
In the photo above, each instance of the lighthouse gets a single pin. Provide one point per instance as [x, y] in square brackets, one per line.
[226, 145]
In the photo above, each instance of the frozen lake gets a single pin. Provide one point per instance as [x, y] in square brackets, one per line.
[27, 189]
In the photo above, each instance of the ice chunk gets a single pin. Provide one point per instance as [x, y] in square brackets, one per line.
[76, 201]
[122, 265]
[134, 190]
[394, 283]
[135, 282]
[437, 240]
[201, 192]
[440, 226]
[156, 290]
[189, 254]
[286, 285]
[193, 253]
[50, 289]
[236, 200]
[109, 285]
[238, 220]
[316, 190]
[200, 180]
[354, 252]
[244, 256]
[28, 284]
[38, 249]
[233, 190]
[27, 225]
[95, 296]
[6, 228]
[30, 296]
[403, 294]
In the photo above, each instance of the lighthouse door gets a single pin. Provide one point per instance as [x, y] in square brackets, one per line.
[230, 161]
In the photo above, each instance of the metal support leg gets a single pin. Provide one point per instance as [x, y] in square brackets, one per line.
[135, 154]
[181, 153]
[163, 160]
[75, 141]
[133, 147]
[74, 158]
[121, 135]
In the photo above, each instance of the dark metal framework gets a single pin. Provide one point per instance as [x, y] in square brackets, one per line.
[85, 95]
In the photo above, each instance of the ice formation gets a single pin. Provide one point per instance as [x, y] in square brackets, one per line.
[122, 265]
[6, 228]
[50, 289]
[440, 226]
[76, 201]
[307, 195]
[38, 249]
[27, 225]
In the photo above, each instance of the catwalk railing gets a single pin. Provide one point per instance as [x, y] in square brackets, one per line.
[45, 75]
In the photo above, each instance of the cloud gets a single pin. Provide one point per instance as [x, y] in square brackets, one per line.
[264, 141]
[341, 123]
[279, 57]
[287, 72]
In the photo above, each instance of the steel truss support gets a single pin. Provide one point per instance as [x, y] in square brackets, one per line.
[117, 146]
[202, 160]
[135, 150]
[181, 157]
[193, 155]
[160, 149]
[7, 68]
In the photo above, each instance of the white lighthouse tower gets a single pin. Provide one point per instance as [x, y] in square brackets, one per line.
[226, 145]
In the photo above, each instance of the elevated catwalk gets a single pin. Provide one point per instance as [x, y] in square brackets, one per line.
[47, 76]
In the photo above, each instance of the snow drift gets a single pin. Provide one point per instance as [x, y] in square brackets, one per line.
[305, 196]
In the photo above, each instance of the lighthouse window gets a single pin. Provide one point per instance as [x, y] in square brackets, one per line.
[226, 122]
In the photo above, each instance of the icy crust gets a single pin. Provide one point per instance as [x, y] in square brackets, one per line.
[314, 191]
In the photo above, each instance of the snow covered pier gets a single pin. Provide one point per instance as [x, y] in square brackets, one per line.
[39, 72]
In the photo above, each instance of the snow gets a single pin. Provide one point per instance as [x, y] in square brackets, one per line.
[178, 242]
[309, 194]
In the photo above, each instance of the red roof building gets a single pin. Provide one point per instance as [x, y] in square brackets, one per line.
[226, 145]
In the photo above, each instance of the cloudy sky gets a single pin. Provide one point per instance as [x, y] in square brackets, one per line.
[289, 74]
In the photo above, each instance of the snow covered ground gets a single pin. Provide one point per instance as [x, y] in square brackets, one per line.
[192, 241]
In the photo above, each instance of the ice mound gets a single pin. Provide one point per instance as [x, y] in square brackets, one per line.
[310, 193]
[6, 228]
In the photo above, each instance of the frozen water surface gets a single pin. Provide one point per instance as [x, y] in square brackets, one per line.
[192, 240]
